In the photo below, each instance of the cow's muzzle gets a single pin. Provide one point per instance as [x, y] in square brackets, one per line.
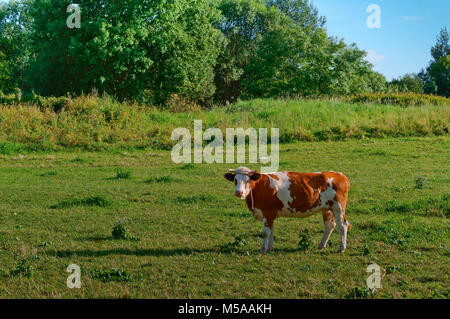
[239, 194]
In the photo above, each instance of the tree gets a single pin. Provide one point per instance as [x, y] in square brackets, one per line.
[436, 78]
[280, 48]
[274, 67]
[291, 62]
[6, 84]
[301, 12]
[408, 83]
[266, 42]
[242, 25]
[128, 48]
[15, 23]
[442, 46]
[440, 73]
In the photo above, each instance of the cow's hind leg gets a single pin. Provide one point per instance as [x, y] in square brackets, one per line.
[267, 235]
[329, 226]
[271, 239]
[341, 221]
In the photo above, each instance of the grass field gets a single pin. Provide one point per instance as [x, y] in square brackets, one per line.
[189, 237]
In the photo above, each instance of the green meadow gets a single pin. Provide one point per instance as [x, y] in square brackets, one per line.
[140, 226]
[92, 95]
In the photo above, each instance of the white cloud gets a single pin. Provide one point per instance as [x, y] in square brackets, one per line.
[417, 18]
[373, 57]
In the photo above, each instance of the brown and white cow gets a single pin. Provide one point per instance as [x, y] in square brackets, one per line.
[290, 194]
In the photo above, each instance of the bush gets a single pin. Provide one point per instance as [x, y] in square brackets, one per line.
[420, 182]
[119, 231]
[402, 99]
[241, 240]
[123, 174]
[55, 104]
[305, 240]
[114, 274]
[23, 268]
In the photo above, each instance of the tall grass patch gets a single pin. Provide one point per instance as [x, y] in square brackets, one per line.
[101, 123]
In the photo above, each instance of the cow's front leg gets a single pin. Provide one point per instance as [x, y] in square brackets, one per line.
[267, 236]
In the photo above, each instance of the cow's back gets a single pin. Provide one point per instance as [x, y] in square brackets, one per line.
[303, 194]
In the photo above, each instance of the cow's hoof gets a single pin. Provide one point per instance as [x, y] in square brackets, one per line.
[341, 251]
[263, 251]
[322, 247]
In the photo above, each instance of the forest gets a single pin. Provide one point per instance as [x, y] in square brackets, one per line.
[203, 52]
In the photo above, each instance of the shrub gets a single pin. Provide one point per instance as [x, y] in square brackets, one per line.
[123, 174]
[241, 240]
[420, 182]
[55, 104]
[119, 231]
[114, 274]
[305, 240]
[178, 104]
[366, 250]
[402, 99]
[23, 268]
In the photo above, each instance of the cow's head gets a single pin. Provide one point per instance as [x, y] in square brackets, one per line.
[242, 178]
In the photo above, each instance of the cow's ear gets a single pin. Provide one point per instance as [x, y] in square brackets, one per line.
[255, 176]
[229, 176]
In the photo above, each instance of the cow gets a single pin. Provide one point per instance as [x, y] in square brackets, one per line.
[291, 194]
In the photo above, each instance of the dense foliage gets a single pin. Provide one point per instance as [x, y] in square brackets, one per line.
[15, 24]
[130, 48]
[436, 77]
[160, 51]
[408, 83]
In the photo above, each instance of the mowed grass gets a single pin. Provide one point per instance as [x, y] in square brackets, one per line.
[189, 237]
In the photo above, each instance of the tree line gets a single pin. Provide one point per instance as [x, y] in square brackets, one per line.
[214, 51]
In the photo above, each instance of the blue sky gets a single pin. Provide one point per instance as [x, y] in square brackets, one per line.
[408, 30]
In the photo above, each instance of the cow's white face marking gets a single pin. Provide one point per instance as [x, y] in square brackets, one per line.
[242, 181]
[242, 185]
[282, 187]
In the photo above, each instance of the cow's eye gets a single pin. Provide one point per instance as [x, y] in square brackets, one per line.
[235, 182]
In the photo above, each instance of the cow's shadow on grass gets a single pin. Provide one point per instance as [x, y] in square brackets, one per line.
[156, 252]
[238, 247]
[163, 252]
[96, 238]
